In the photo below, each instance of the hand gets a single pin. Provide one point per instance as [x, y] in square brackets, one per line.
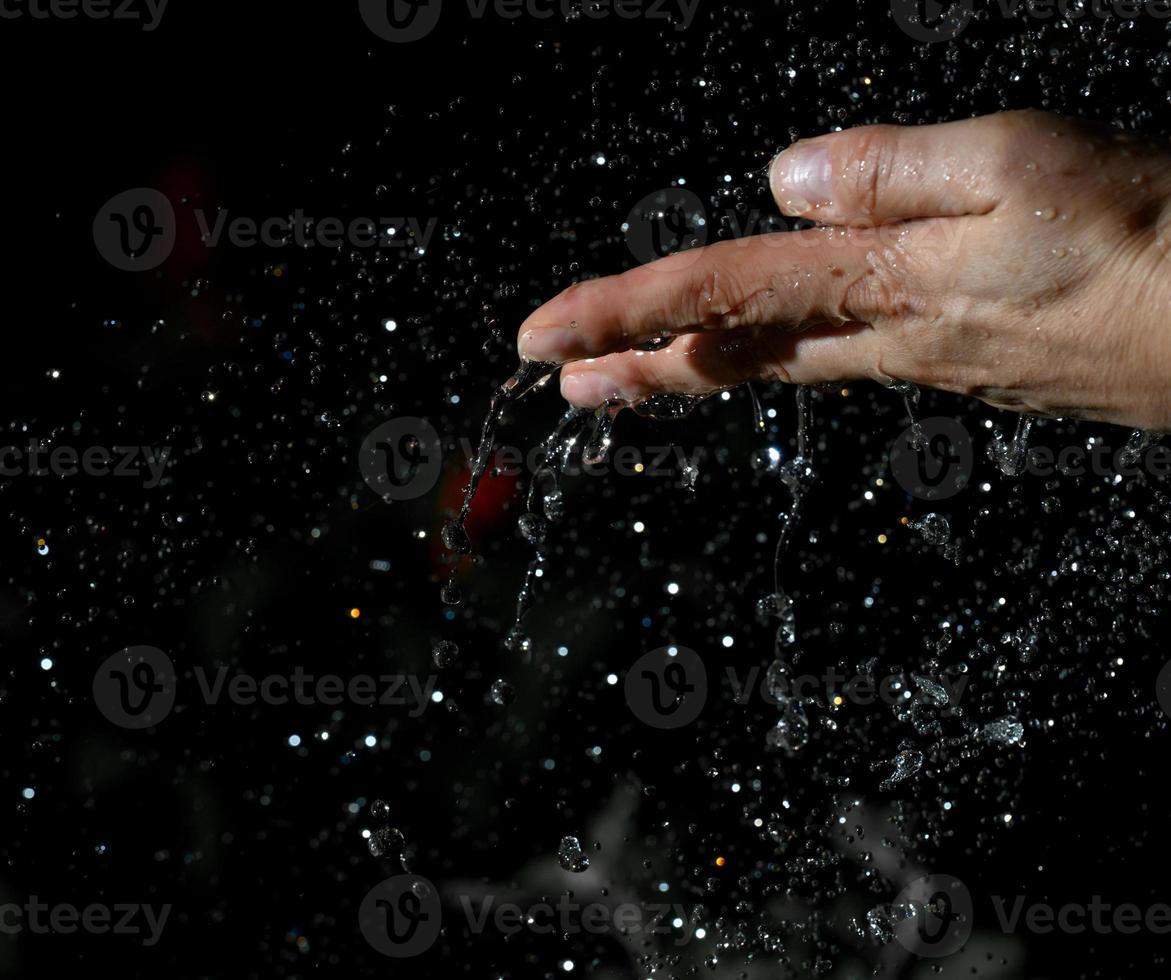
[1021, 258]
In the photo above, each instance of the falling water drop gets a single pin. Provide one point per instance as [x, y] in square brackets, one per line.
[934, 528]
[1011, 455]
[570, 855]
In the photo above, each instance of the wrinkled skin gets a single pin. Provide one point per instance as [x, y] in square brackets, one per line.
[1022, 258]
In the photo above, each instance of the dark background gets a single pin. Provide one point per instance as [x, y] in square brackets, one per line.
[260, 367]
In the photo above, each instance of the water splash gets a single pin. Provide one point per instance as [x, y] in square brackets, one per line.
[791, 731]
[571, 857]
[667, 407]
[544, 506]
[757, 409]
[934, 527]
[907, 763]
[911, 395]
[1006, 731]
[530, 375]
[597, 447]
[1139, 442]
[1011, 456]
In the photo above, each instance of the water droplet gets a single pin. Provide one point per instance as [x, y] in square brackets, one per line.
[570, 855]
[906, 763]
[1006, 731]
[503, 693]
[533, 528]
[934, 528]
[386, 842]
[455, 538]
[444, 653]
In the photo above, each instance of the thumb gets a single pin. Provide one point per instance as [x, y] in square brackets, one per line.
[875, 174]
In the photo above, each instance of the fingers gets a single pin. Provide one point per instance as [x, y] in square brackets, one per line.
[791, 279]
[873, 174]
[703, 363]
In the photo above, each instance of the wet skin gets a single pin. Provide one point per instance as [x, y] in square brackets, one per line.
[1021, 258]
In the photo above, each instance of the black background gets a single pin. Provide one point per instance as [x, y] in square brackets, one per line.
[493, 128]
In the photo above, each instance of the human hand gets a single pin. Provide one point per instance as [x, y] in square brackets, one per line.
[1021, 258]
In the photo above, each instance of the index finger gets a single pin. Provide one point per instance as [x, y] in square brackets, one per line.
[787, 279]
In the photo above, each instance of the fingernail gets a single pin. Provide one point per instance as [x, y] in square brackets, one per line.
[555, 344]
[802, 177]
[588, 388]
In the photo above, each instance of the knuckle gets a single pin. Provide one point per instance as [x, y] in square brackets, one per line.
[703, 298]
[867, 167]
[711, 298]
[880, 293]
